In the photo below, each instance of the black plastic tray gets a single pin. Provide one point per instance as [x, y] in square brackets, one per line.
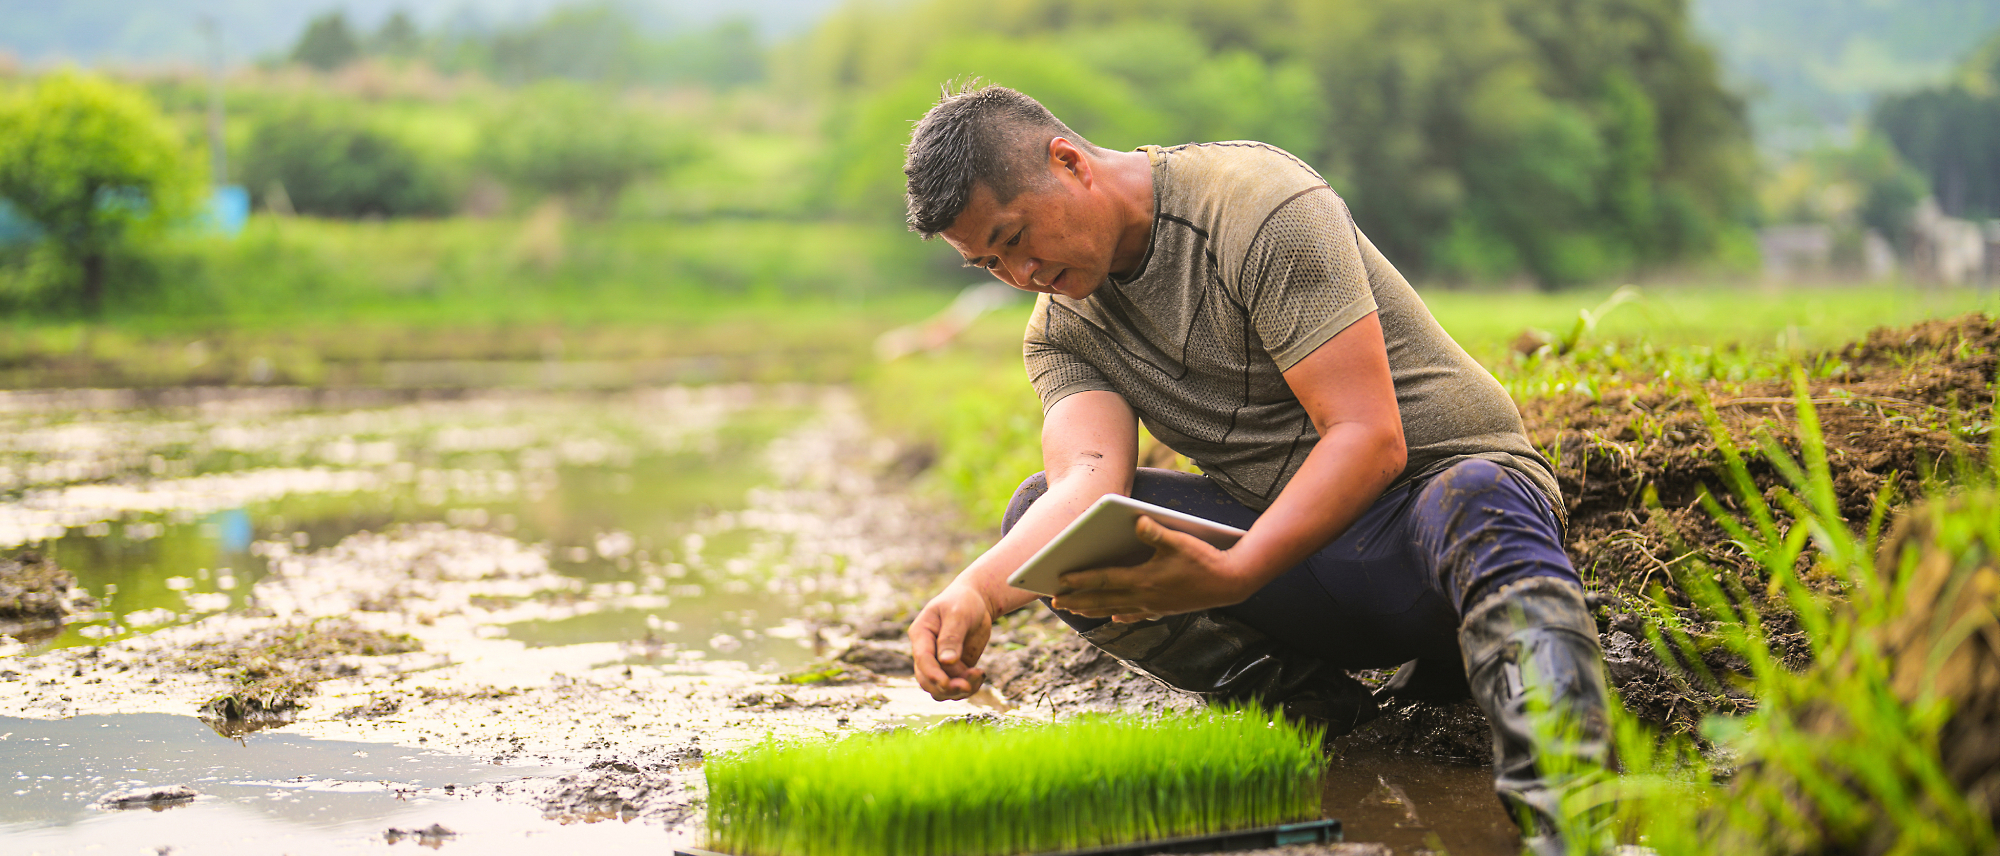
[1308, 832]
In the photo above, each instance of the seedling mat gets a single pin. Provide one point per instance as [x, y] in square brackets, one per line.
[1308, 832]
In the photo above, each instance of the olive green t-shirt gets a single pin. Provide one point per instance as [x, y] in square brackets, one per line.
[1254, 262]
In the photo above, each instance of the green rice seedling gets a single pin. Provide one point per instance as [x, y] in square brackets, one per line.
[967, 791]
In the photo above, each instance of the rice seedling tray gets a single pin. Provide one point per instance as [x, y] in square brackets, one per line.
[1307, 832]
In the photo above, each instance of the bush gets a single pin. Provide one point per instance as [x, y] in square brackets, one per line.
[578, 143]
[95, 166]
[333, 165]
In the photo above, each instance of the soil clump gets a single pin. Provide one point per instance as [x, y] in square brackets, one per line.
[37, 596]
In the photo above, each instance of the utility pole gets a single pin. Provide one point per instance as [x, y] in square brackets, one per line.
[218, 153]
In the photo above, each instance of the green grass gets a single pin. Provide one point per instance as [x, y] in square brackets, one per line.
[327, 302]
[1845, 755]
[968, 790]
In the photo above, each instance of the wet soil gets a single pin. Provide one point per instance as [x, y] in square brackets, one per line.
[432, 637]
[1894, 409]
[424, 634]
[37, 596]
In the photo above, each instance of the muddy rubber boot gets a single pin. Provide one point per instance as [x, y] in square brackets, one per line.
[1532, 656]
[1437, 680]
[1227, 662]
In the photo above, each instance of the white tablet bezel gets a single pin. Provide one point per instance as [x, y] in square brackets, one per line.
[1103, 536]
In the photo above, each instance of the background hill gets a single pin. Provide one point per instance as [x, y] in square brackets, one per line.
[1813, 66]
[146, 31]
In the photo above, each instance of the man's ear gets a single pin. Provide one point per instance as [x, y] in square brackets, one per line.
[1068, 157]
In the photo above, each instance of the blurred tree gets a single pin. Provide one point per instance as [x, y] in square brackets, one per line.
[94, 165]
[332, 164]
[604, 42]
[592, 41]
[398, 37]
[579, 143]
[1952, 134]
[724, 57]
[327, 43]
[1565, 139]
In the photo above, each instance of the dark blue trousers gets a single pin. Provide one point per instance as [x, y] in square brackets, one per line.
[1392, 587]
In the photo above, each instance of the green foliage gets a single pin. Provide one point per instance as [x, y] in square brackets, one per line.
[327, 43]
[1851, 188]
[1819, 64]
[398, 37]
[580, 143]
[966, 791]
[974, 406]
[599, 42]
[1952, 134]
[96, 167]
[330, 162]
[1567, 142]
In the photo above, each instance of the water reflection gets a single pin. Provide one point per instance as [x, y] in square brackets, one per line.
[265, 793]
[167, 516]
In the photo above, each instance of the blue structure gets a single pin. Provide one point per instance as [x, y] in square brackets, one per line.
[15, 229]
[228, 208]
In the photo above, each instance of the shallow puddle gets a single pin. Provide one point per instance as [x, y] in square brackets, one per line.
[263, 794]
[166, 516]
[1418, 805]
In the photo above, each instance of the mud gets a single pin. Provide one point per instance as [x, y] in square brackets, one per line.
[36, 596]
[1895, 409]
[423, 634]
[157, 798]
[407, 637]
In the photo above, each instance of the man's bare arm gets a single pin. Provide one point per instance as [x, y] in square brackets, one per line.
[1346, 387]
[1089, 449]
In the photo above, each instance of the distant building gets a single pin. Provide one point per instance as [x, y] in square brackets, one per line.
[1796, 251]
[1946, 249]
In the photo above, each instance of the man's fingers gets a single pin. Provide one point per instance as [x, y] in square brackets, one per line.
[923, 653]
[1160, 537]
[950, 644]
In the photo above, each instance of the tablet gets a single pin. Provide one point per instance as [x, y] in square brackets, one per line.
[1102, 537]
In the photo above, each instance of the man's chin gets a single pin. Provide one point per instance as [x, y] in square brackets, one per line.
[1067, 286]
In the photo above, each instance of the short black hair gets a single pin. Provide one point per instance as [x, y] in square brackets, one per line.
[977, 134]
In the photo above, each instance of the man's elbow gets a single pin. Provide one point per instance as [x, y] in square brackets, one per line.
[1393, 452]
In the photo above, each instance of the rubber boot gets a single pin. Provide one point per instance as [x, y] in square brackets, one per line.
[1229, 662]
[1532, 657]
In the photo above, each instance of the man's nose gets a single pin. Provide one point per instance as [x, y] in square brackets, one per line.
[1024, 271]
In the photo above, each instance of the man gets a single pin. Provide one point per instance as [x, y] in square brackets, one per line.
[1396, 512]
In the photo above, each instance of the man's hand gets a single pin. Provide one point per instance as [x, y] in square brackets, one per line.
[947, 639]
[1184, 575]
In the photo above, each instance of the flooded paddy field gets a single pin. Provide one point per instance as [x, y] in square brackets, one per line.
[501, 615]
[307, 622]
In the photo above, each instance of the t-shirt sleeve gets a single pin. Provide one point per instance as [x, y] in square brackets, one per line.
[1302, 279]
[1055, 371]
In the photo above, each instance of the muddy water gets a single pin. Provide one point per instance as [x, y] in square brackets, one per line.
[166, 517]
[1417, 805]
[267, 793]
[598, 590]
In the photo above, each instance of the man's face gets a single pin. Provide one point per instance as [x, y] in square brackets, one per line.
[1052, 239]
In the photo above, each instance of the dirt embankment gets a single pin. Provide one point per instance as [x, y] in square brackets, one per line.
[1894, 409]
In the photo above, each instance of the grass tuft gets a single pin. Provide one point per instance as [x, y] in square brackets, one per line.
[966, 790]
